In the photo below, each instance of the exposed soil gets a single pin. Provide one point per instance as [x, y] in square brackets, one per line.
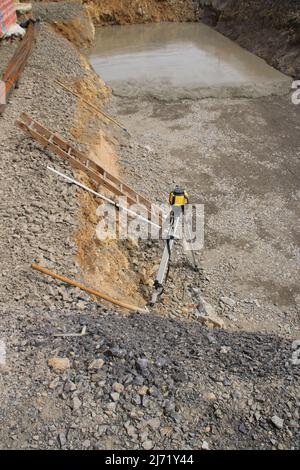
[71, 20]
[111, 12]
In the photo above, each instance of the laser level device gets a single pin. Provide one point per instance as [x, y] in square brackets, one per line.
[178, 199]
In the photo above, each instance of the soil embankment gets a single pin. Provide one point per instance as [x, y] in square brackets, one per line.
[110, 12]
[72, 20]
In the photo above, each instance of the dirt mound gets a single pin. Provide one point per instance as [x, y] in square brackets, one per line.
[139, 11]
[71, 19]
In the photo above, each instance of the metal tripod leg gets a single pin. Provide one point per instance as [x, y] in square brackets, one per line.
[192, 252]
[164, 264]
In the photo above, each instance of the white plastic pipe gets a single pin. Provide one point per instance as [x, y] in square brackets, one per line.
[101, 196]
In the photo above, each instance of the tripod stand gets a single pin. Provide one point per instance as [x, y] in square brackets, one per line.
[178, 200]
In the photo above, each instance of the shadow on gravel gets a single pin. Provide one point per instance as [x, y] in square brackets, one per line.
[167, 344]
[177, 383]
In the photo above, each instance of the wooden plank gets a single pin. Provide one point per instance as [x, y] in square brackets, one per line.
[98, 178]
[80, 161]
[98, 110]
[101, 295]
[26, 118]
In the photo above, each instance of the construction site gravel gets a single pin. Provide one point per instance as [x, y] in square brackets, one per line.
[166, 379]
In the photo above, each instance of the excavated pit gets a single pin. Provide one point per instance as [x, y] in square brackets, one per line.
[177, 61]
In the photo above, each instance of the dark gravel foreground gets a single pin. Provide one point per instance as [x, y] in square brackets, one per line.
[164, 384]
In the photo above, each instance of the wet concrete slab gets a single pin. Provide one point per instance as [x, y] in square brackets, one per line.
[179, 60]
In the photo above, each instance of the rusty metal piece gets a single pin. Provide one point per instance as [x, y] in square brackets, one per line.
[18, 62]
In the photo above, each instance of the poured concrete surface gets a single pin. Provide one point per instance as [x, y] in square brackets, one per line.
[177, 60]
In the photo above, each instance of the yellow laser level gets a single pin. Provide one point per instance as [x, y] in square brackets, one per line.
[178, 197]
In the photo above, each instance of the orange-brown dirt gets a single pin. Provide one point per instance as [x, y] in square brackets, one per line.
[139, 11]
[105, 265]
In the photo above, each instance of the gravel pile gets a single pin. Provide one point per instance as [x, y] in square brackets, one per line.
[144, 382]
[39, 211]
[57, 11]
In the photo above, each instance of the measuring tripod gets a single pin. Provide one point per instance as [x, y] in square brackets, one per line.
[178, 199]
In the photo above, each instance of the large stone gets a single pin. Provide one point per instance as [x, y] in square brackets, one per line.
[54, 383]
[154, 423]
[210, 396]
[143, 390]
[59, 363]
[205, 308]
[277, 421]
[96, 364]
[69, 386]
[228, 301]
[62, 439]
[205, 445]
[117, 387]
[147, 445]
[76, 403]
[115, 396]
